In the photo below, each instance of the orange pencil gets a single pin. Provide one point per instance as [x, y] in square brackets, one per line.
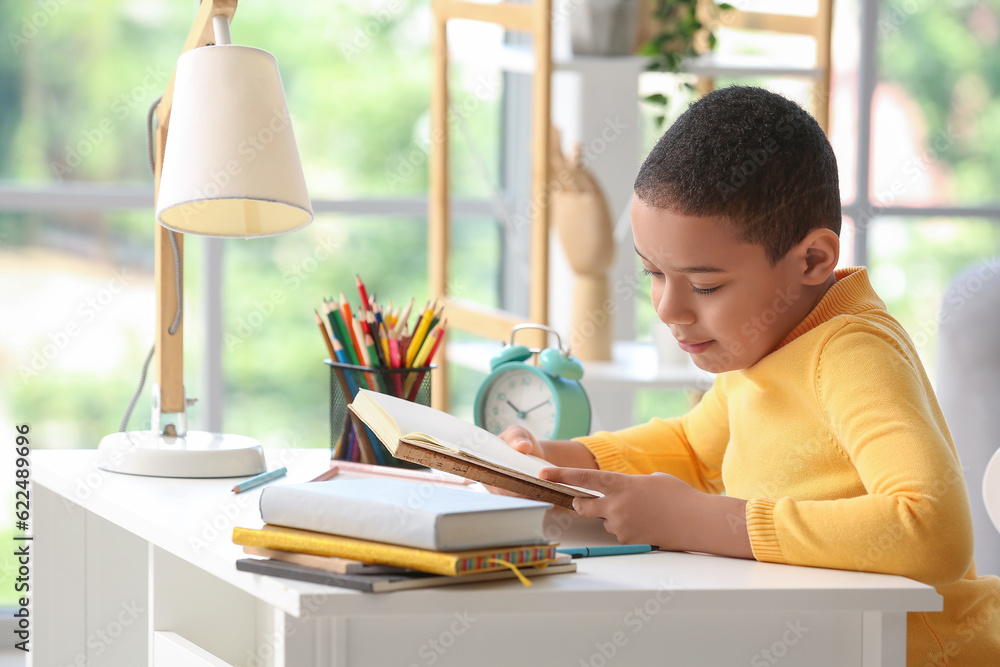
[345, 310]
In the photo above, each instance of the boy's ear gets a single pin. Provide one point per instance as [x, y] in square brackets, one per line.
[819, 252]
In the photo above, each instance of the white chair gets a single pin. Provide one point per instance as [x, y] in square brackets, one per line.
[991, 489]
[968, 384]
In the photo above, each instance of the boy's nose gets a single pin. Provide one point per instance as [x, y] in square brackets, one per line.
[673, 308]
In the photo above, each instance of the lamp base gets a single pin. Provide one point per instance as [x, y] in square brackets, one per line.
[198, 454]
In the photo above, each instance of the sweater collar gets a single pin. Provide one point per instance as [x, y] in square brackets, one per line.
[852, 293]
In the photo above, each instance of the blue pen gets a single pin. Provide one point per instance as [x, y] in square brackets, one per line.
[257, 480]
[614, 550]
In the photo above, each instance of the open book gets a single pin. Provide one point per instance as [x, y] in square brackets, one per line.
[423, 435]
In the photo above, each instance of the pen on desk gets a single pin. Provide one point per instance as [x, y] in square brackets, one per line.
[257, 480]
[613, 550]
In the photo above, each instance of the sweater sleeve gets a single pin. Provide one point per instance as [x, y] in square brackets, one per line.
[690, 447]
[914, 519]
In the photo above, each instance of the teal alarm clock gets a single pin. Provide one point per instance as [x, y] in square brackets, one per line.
[546, 398]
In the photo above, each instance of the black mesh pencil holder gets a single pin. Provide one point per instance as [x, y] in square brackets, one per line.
[351, 440]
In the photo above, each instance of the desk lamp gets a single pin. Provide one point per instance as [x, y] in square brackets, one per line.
[229, 167]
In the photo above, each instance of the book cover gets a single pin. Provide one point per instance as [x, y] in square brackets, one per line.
[438, 562]
[424, 516]
[430, 437]
[328, 563]
[383, 583]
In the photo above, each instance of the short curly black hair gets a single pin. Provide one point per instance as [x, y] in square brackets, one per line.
[752, 157]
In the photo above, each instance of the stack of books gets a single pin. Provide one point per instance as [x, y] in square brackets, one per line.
[379, 535]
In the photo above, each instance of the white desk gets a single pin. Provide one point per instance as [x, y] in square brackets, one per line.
[133, 570]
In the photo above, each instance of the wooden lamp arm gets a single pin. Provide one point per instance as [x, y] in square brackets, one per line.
[169, 362]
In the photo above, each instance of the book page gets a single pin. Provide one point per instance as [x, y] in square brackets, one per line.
[453, 434]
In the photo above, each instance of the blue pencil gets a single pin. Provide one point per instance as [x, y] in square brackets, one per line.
[612, 550]
[257, 480]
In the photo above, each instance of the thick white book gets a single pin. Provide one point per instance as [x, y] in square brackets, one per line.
[407, 513]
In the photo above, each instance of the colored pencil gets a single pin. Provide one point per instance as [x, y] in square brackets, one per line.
[423, 359]
[329, 474]
[362, 291]
[403, 317]
[345, 311]
[257, 480]
[344, 373]
[418, 335]
[326, 336]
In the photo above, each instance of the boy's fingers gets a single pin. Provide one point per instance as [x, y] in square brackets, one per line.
[598, 480]
[588, 507]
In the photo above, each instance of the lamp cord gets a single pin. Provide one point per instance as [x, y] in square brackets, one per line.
[175, 248]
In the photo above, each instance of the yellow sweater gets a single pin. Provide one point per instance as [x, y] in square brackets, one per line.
[838, 444]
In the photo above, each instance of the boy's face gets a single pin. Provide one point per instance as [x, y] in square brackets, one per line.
[723, 301]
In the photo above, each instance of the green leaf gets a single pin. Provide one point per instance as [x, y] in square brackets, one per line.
[656, 98]
[659, 121]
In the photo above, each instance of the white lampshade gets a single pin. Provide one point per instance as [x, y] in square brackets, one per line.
[230, 166]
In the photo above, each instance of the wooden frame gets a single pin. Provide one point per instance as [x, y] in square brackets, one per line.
[534, 18]
[819, 26]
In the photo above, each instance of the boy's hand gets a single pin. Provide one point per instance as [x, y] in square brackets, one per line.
[522, 440]
[660, 509]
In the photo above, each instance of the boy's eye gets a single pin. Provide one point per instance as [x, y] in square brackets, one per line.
[705, 290]
[647, 272]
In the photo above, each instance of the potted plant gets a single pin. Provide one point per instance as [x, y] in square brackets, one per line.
[678, 32]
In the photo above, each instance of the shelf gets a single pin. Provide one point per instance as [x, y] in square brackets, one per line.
[514, 58]
[714, 65]
[633, 366]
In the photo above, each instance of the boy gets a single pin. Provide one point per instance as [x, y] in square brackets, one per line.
[821, 427]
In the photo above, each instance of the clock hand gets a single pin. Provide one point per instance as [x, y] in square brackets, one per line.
[520, 415]
[537, 406]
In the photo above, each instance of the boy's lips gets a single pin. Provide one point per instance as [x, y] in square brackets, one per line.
[694, 348]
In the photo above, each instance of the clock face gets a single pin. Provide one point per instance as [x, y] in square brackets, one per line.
[520, 396]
